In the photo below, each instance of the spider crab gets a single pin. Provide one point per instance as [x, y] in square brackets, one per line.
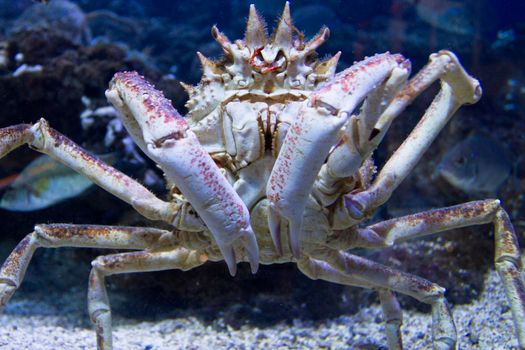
[273, 164]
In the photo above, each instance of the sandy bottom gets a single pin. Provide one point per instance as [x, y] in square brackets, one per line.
[38, 325]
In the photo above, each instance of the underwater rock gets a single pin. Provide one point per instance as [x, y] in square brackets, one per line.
[68, 73]
[64, 17]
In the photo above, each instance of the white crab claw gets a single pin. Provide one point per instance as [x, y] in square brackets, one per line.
[274, 224]
[252, 249]
[167, 139]
[247, 238]
[316, 129]
[228, 254]
[294, 229]
[294, 236]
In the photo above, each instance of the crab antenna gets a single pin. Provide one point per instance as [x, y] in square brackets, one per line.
[221, 39]
[318, 39]
[283, 34]
[256, 35]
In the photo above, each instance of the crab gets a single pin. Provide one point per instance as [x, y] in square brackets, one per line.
[273, 164]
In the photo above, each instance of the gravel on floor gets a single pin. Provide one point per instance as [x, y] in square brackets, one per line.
[32, 324]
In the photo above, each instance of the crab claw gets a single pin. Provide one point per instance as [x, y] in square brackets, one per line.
[165, 137]
[274, 223]
[252, 249]
[316, 129]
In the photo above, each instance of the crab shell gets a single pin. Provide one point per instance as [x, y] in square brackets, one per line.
[243, 108]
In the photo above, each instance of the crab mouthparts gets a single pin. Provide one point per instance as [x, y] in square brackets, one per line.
[258, 63]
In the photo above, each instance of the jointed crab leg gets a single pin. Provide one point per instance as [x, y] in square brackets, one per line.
[364, 132]
[355, 145]
[61, 235]
[392, 312]
[389, 232]
[94, 236]
[393, 316]
[457, 88]
[442, 65]
[315, 130]
[13, 137]
[507, 251]
[49, 141]
[166, 138]
[347, 269]
[143, 261]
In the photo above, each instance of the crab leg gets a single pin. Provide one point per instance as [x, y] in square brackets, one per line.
[507, 252]
[166, 138]
[62, 235]
[49, 141]
[457, 89]
[347, 269]
[13, 137]
[144, 261]
[393, 316]
[307, 143]
[355, 145]
[397, 230]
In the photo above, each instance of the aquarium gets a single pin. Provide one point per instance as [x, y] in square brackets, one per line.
[262, 175]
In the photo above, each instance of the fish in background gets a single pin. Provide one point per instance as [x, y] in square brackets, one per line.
[448, 15]
[477, 165]
[43, 183]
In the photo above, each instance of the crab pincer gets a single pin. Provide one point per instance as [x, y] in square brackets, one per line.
[164, 135]
[316, 129]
